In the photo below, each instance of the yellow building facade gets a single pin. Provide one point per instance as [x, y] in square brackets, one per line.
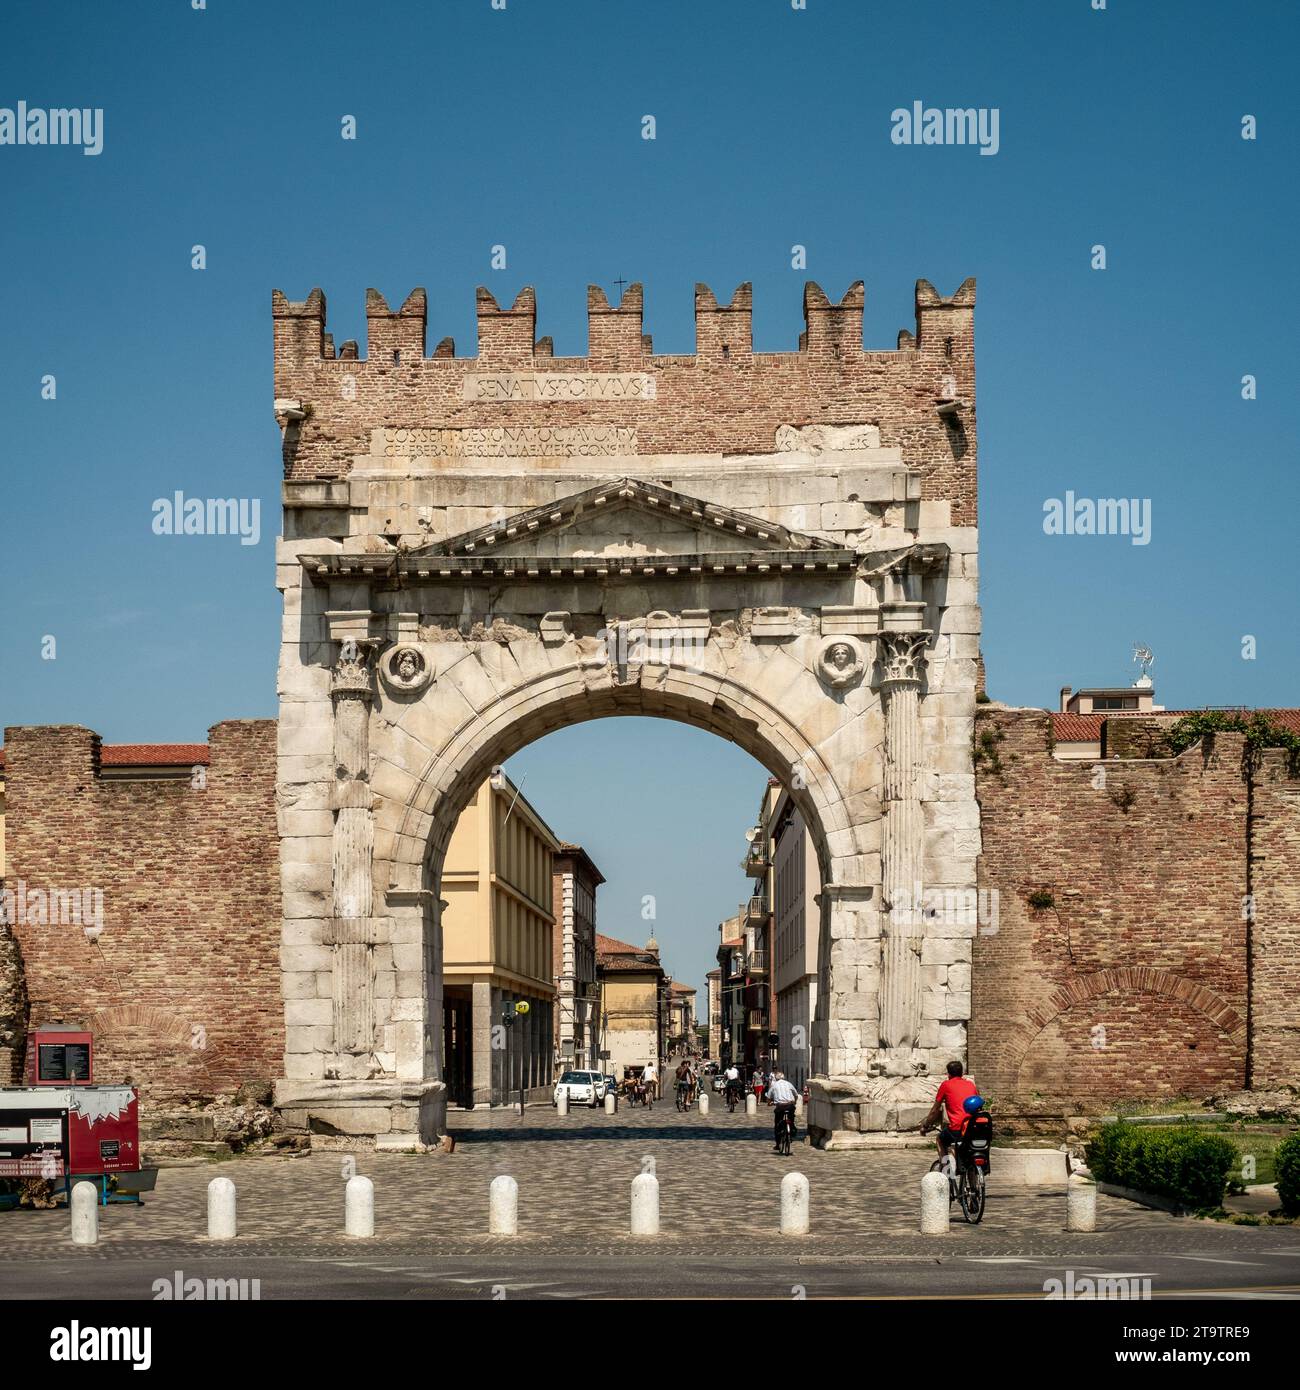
[497, 941]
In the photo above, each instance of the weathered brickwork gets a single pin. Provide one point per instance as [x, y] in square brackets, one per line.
[1135, 979]
[182, 987]
[723, 399]
[1275, 814]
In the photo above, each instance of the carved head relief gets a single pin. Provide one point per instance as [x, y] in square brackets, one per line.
[840, 663]
[405, 670]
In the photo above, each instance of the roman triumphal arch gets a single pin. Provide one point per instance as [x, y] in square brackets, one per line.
[777, 547]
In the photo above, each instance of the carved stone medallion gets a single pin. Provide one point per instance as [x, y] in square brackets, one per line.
[405, 670]
[840, 663]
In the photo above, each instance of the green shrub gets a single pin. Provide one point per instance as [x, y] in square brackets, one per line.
[1286, 1160]
[1176, 1162]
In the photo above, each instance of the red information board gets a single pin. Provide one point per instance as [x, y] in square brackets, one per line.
[59, 1057]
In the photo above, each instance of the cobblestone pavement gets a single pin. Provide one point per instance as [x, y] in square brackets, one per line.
[719, 1190]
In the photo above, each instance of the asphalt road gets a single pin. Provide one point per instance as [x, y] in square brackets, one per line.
[657, 1272]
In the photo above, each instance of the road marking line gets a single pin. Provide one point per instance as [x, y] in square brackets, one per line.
[1211, 1260]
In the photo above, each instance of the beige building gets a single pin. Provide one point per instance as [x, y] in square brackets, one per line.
[714, 982]
[498, 929]
[795, 922]
[681, 1016]
[632, 1014]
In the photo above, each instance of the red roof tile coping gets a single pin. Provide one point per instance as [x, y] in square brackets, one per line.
[149, 755]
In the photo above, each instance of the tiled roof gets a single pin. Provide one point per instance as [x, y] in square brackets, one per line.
[1086, 728]
[611, 944]
[148, 755]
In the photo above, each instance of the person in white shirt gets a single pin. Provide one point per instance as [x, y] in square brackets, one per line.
[732, 1086]
[651, 1078]
[784, 1097]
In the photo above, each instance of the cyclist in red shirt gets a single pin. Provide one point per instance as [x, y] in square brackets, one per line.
[949, 1100]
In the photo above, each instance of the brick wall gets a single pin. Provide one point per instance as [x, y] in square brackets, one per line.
[182, 989]
[1275, 1014]
[724, 398]
[1134, 981]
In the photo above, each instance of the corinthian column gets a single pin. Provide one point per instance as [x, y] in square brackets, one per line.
[352, 926]
[902, 656]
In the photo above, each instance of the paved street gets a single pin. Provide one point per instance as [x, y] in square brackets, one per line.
[719, 1185]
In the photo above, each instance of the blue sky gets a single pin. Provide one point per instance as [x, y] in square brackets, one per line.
[522, 127]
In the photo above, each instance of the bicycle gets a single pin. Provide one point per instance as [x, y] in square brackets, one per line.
[785, 1135]
[683, 1096]
[733, 1095]
[965, 1182]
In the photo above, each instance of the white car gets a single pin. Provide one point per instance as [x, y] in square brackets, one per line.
[582, 1088]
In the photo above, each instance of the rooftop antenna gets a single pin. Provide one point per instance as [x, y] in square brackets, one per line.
[1145, 658]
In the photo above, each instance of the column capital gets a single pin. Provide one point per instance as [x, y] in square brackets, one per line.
[354, 664]
[902, 656]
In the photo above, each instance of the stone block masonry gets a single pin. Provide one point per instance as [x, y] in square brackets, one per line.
[182, 986]
[475, 530]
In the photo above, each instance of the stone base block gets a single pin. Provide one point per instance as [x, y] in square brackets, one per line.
[858, 1112]
[408, 1112]
[1029, 1168]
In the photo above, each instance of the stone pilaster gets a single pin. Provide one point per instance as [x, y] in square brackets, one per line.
[902, 658]
[352, 929]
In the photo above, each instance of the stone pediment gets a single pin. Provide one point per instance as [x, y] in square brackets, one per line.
[625, 518]
[623, 526]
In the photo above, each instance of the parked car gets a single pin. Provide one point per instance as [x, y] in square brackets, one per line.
[720, 1082]
[581, 1087]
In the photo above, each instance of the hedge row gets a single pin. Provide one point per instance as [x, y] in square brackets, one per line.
[1286, 1161]
[1187, 1167]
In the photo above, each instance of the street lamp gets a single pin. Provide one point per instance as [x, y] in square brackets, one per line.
[520, 1009]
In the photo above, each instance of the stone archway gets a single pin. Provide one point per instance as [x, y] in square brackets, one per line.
[444, 608]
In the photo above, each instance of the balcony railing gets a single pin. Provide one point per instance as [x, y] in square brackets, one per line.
[756, 863]
[755, 911]
[757, 962]
[756, 1020]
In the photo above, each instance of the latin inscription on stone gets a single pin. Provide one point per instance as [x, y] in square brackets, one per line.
[559, 386]
[510, 441]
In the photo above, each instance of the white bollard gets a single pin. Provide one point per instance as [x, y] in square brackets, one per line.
[751, 1104]
[798, 1105]
[794, 1205]
[359, 1207]
[611, 1102]
[84, 1205]
[503, 1206]
[562, 1103]
[934, 1204]
[704, 1102]
[645, 1205]
[1080, 1205]
[221, 1209]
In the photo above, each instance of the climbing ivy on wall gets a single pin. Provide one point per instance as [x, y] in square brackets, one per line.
[1260, 733]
